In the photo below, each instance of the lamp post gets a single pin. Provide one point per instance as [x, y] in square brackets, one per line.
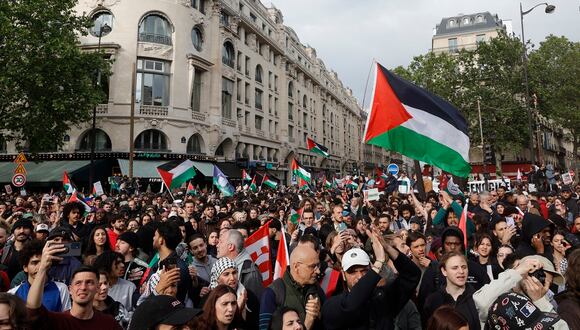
[549, 9]
[103, 30]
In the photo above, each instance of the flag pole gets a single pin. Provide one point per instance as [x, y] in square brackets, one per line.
[168, 190]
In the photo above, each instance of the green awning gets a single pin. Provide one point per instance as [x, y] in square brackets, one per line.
[141, 168]
[205, 168]
[49, 171]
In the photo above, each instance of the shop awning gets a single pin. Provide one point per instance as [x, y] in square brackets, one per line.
[141, 168]
[205, 168]
[231, 170]
[49, 171]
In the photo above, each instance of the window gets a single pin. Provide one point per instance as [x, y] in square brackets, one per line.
[258, 123]
[258, 99]
[290, 115]
[194, 144]
[152, 83]
[304, 101]
[452, 45]
[99, 20]
[305, 120]
[151, 140]
[228, 54]
[199, 5]
[227, 92]
[224, 19]
[196, 38]
[290, 131]
[290, 90]
[196, 91]
[466, 21]
[259, 73]
[451, 23]
[480, 38]
[275, 83]
[479, 19]
[247, 66]
[253, 17]
[270, 79]
[102, 141]
[156, 29]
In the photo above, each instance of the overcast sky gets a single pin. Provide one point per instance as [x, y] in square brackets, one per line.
[349, 34]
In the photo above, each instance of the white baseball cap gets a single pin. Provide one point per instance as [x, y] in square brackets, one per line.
[42, 227]
[355, 257]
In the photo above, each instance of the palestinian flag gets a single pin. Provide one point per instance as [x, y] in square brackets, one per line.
[420, 125]
[299, 171]
[302, 184]
[246, 176]
[381, 174]
[295, 216]
[75, 198]
[253, 186]
[317, 147]
[175, 174]
[351, 184]
[269, 182]
[221, 182]
[67, 184]
[327, 184]
[190, 190]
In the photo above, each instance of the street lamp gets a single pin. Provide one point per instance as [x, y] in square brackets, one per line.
[103, 30]
[549, 9]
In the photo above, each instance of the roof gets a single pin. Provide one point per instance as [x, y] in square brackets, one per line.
[477, 22]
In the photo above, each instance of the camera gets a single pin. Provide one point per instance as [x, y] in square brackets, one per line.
[540, 275]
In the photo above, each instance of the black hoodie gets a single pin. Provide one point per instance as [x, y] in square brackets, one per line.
[531, 225]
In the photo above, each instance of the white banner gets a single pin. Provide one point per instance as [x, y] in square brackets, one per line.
[479, 186]
[98, 188]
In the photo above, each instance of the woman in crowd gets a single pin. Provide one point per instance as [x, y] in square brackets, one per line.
[559, 247]
[484, 255]
[569, 300]
[286, 318]
[220, 311]
[98, 243]
[212, 242]
[446, 318]
[502, 253]
[13, 313]
[104, 303]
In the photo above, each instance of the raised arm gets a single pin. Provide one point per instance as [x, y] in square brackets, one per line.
[34, 300]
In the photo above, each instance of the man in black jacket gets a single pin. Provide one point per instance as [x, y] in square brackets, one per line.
[364, 304]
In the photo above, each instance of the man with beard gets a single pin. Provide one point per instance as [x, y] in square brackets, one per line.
[404, 221]
[119, 226]
[22, 229]
[202, 261]
[71, 218]
[208, 221]
[82, 291]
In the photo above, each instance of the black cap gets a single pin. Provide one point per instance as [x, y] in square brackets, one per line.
[130, 238]
[63, 232]
[162, 309]
[566, 188]
[516, 311]
[26, 223]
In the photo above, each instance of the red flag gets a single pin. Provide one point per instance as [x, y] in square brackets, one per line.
[463, 225]
[329, 281]
[258, 246]
[282, 258]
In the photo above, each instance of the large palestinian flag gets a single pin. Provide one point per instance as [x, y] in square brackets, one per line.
[420, 125]
[299, 171]
[175, 174]
[316, 147]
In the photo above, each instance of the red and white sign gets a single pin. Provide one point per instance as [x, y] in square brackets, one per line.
[18, 180]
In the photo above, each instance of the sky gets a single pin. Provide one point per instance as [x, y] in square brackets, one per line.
[348, 35]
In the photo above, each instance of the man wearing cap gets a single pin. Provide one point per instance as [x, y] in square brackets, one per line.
[21, 229]
[162, 312]
[536, 235]
[62, 271]
[41, 232]
[523, 279]
[128, 246]
[516, 311]
[365, 302]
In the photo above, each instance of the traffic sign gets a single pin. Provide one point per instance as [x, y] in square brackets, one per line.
[20, 169]
[20, 158]
[393, 169]
[18, 180]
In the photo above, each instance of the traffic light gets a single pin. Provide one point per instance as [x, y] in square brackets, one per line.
[488, 154]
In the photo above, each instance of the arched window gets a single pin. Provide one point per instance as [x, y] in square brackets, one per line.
[228, 54]
[290, 89]
[196, 38]
[259, 73]
[479, 19]
[466, 21]
[194, 144]
[155, 28]
[99, 20]
[151, 140]
[102, 141]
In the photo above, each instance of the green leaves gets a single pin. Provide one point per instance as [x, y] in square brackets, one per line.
[47, 84]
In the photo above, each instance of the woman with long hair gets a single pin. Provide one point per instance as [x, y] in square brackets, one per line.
[559, 247]
[569, 300]
[13, 312]
[220, 311]
[98, 242]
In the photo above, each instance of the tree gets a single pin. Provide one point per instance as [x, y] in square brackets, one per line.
[555, 80]
[47, 84]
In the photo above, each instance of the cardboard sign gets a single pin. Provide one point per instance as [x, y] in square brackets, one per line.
[98, 188]
[371, 194]
[567, 178]
[8, 189]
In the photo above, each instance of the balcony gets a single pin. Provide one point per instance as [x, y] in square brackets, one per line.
[153, 110]
[260, 133]
[155, 38]
[197, 116]
[102, 109]
[228, 122]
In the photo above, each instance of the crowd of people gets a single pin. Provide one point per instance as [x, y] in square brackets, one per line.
[500, 259]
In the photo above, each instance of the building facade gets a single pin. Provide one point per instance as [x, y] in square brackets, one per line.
[225, 79]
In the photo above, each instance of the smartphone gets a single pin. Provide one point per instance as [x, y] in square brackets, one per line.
[73, 249]
[341, 227]
[510, 221]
